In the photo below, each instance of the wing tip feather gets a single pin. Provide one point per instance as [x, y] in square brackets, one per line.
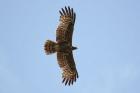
[69, 80]
[67, 11]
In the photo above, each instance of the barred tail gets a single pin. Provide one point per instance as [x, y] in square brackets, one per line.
[49, 47]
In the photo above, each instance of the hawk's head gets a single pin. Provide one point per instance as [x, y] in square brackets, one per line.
[74, 48]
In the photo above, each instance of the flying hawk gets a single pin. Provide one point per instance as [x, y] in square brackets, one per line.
[63, 45]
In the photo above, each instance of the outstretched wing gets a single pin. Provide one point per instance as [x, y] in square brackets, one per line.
[67, 64]
[64, 34]
[65, 28]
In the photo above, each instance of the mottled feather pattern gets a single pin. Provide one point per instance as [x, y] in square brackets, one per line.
[49, 47]
[64, 34]
[61, 59]
[69, 77]
[66, 62]
[63, 45]
[65, 29]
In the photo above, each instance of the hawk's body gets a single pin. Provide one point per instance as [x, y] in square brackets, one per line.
[63, 45]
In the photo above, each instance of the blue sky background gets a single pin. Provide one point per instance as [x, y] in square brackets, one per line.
[107, 34]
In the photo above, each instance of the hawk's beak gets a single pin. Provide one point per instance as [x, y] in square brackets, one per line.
[74, 48]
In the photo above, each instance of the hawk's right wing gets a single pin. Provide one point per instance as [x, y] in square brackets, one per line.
[65, 28]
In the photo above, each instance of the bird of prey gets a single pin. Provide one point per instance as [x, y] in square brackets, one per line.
[63, 45]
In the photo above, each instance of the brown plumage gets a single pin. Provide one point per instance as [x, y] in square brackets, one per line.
[63, 45]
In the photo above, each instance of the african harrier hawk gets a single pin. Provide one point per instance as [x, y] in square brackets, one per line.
[63, 45]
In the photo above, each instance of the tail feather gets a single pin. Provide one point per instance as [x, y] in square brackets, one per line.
[49, 47]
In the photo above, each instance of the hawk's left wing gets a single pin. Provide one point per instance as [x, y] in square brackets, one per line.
[67, 64]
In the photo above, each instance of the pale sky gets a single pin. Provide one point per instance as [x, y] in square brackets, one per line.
[107, 34]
